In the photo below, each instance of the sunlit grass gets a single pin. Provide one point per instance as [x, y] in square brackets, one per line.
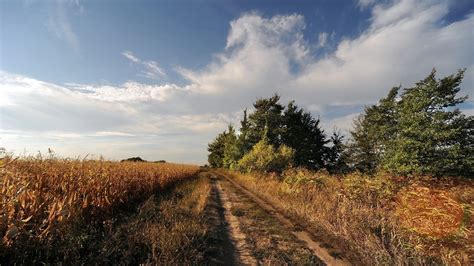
[41, 197]
[379, 219]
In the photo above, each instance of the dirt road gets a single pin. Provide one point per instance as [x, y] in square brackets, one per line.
[256, 233]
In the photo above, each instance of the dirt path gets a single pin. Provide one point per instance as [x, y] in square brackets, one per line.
[323, 254]
[233, 249]
[241, 249]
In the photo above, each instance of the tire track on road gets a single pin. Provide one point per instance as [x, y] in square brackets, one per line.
[298, 231]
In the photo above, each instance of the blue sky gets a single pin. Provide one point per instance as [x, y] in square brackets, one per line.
[159, 79]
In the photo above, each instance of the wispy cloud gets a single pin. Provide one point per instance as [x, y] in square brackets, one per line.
[365, 3]
[129, 55]
[59, 24]
[322, 39]
[150, 70]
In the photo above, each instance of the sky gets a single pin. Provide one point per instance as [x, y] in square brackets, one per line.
[160, 79]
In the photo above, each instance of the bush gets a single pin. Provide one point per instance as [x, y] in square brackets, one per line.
[303, 176]
[370, 189]
[265, 158]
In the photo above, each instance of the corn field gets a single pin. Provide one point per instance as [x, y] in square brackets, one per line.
[38, 195]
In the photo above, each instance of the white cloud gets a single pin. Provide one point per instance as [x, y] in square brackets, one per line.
[83, 119]
[129, 55]
[263, 55]
[343, 123]
[259, 55]
[150, 70]
[59, 24]
[403, 43]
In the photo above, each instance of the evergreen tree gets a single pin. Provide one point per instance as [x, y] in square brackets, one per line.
[303, 134]
[335, 159]
[216, 150]
[267, 115]
[232, 153]
[372, 130]
[244, 144]
[432, 136]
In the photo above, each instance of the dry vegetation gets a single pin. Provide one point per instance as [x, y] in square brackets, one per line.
[167, 229]
[380, 219]
[49, 203]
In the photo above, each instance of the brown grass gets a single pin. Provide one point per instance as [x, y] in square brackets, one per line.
[41, 199]
[380, 219]
[167, 229]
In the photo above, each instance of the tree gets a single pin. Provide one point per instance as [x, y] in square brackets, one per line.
[335, 157]
[432, 136]
[267, 116]
[372, 130]
[303, 134]
[232, 153]
[216, 150]
[244, 144]
[265, 158]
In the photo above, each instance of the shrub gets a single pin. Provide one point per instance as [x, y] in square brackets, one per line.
[265, 158]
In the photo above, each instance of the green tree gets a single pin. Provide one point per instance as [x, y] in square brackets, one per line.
[267, 116]
[303, 134]
[265, 158]
[335, 157]
[244, 143]
[432, 136]
[216, 150]
[232, 154]
[372, 130]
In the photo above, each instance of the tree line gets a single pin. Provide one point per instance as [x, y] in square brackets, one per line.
[412, 131]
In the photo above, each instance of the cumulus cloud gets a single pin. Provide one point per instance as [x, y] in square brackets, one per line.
[263, 55]
[77, 119]
[259, 54]
[150, 70]
[403, 43]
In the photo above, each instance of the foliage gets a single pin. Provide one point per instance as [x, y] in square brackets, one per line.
[216, 150]
[378, 189]
[418, 132]
[372, 130]
[232, 152]
[267, 117]
[432, 137]
[335, 157]
[265, 158]
[283, 128]
[303, 134]
[133, 159]
[303, 176]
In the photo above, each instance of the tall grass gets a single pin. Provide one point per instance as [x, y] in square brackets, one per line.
[40, 198]
[380, 219]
